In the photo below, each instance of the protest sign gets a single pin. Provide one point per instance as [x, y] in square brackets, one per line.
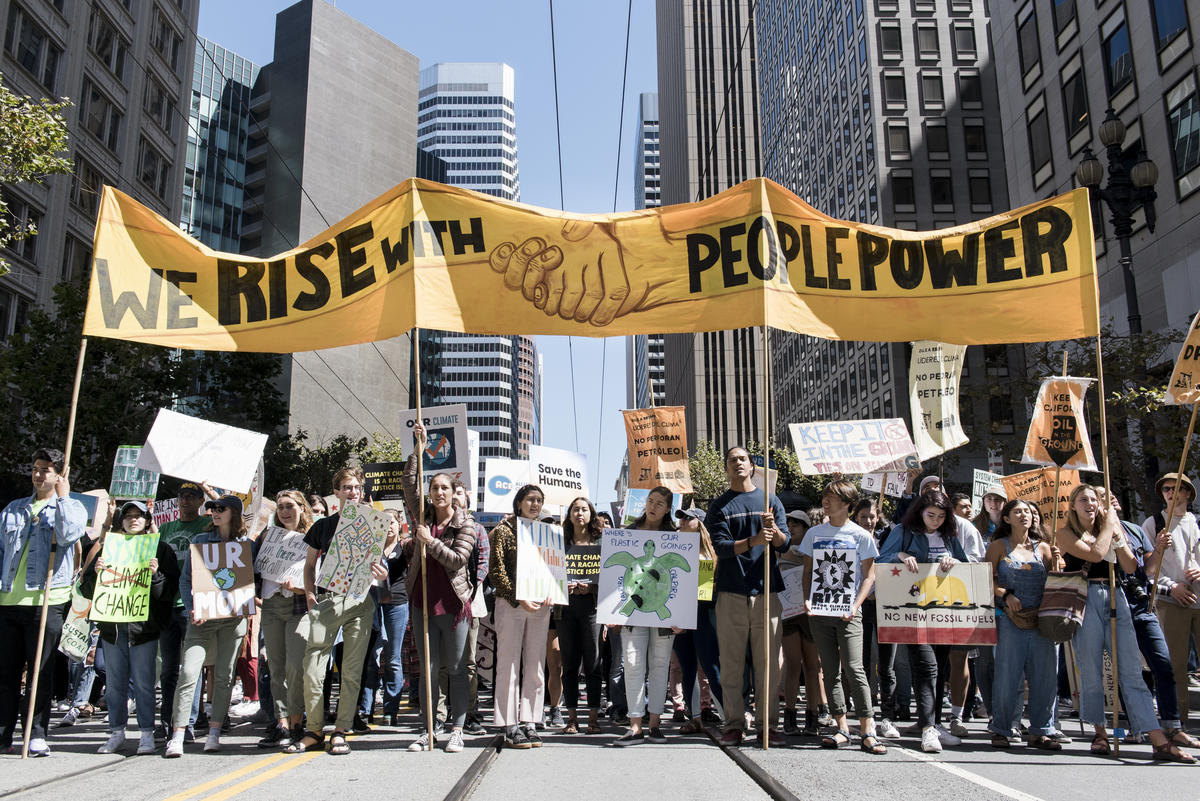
[771, 477]
[835, 578]
[983, 482]
[707, 579]
[933, 380]
[165, 511]
[791, 597]
[333, 505]
[357, 544]
[447, 449]
[935, 606]
[222, 580]
[1184, 386]
[503, 477]
[649, 578]
[281, 555]
[252, 498]
[123, 583]
[853, 446]
[541, 563]
[74, 642]
[635, 504]
[195, 449]
[562, 475]
[890, 484]
[583, 564]
[473, 463]
[383, 481]
[129, 482]
[1058, 431]
[658, 452]
[95, 503]
[1037, 487]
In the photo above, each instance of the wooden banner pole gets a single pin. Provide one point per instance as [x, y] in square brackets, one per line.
[1057, 477]
[770, 703]
[1187, 441]
[426, 678]
[1112, 572]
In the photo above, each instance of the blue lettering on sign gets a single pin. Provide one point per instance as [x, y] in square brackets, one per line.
[499, 485]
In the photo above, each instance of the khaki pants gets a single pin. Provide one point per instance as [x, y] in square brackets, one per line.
[740, 618]
[283, 648]
[520, 686]
[1178, 624]
[219, 641]
[319, 628]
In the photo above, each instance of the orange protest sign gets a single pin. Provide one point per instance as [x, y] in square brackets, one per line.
[1058, 432]
[1184, 386]
[1037, 487]
[658, 453]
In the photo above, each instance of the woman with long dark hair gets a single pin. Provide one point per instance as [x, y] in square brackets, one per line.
[578, 631]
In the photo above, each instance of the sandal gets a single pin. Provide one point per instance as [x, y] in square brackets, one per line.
[1100, 746]
[1000, 741]
[836, 740]
[593, 727]
[1169, 752]
[299, 746]
[337, 744]
[1044, 743]
[876, 747]
[1181, 737]
[693, 726]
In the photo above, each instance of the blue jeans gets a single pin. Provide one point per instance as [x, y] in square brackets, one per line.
[1023, 653]
[699, 648]
[1093, 638]
[123, 662]
[170, 645]
[83, 675]
[1153, 646]
[395, 621]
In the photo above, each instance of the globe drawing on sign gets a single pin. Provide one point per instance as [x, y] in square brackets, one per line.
[439, 448]
[224, 578]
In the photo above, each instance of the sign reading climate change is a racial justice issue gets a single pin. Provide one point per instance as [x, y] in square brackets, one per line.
[658, 451]
[446, 447]
[433, 256]
[541, 563]
[123, 583]
[222, 580]
[853, 446]
[936, 606]
[649, 578]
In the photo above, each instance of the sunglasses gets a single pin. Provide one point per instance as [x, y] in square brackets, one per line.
[220, 508]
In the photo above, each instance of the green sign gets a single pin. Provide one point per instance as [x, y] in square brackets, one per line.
[123, 583]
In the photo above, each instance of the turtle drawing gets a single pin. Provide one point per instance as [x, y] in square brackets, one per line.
[647, 582]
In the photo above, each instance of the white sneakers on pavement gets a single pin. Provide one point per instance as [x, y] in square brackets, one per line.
[174, 748]
[930, 743]
[886, 729]
[113, 744]
[212, 742]
[455, 743]
[38, 747]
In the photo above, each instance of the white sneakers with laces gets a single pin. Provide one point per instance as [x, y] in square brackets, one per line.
[174, 748]
[930, 743]
[455, 743]
[886, 729]
[113, 744]
[213, 741]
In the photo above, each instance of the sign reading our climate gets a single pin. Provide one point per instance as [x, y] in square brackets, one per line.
[446, 448]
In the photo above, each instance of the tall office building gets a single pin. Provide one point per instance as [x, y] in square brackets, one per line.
[709, 135]
[467, 118]
[217, 137]
[309, 165]
[645, 354]
[883, 112]
[127, 67]
[1069, 62]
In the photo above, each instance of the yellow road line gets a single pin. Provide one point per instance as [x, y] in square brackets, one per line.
[246, 784]
[225, 777]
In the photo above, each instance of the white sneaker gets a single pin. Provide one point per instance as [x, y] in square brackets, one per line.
[958, 729]
[455, 743]
[421, 743]
[946, 738]
[174, 748]
[245, 709]
[886, 729]
[929, 741]
[113, 744]
[146, 744]
[213, 741]
[38, 747]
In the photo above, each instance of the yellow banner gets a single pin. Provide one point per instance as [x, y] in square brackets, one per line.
[1184, 386]
[434, 256]
[658, 451]
[1037, 487]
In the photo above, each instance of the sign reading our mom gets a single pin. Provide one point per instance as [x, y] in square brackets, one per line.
[853, 446]
[222, 580]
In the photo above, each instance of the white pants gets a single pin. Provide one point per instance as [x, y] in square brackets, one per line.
[645, 652]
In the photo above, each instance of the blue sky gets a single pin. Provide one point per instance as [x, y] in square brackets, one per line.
[590, 40]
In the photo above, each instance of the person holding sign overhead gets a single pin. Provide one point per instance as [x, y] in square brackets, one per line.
[131, 649]
[578, 630]
[219, 638]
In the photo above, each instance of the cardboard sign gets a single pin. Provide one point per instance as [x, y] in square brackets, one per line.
[835, 580]
[383, 481]
[129, 482]
[502, 479]
[562, 475]
[95, 503]
[934, 606]
[658, 452]
[1037, 487]
[583, 564]
[649, 578]
[222, 580]
[165, 511]
[635, 505]
[123, 585]
[983, 482]
[357, 544]
[447, 449]
[1184, 386]
[707, 580]
[1058, 431]
[541, 563]
[791, 596]
[890, 484]
[933, 378]
[853, 446]
[200, 450]
[769, 475]
[281, 555]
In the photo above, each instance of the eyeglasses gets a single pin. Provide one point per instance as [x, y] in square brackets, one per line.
[1168, 488]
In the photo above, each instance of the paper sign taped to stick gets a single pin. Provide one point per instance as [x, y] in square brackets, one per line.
[934, 606]
[1184, 386]
[853, 446]
[635, 505]
[281, 555]
[200, 450]
[541, 563]
[447, 449]
[357, 544]
[123, 583]
[1058, 432]
[129, 482]
[933, 380]
[658, 451]
[562, 474]
[983, 482]
[502, 479]
[1037, 487]
[649, 578]
[222, 580]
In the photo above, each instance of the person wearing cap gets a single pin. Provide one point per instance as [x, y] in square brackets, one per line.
[697, 650]
[220, 639]
[131, 649]
[1178, 604]
[800, 653]
[989, 516]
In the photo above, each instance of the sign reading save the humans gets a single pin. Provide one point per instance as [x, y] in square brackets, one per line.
[123, 583]
[562, 475]
[649, 578]
[541, 563]
[222, 580]
[853, 446]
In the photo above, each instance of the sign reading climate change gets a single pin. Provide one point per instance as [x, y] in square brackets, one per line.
[658, 452]
[433, 256]
[649, 578]
[933, 380]
[446, 448]
[541, 563]
[123, 584]
[853, 446]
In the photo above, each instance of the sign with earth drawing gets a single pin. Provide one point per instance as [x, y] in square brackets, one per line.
[834, 580]
[446, 443]
[649, 578]
[222, 579]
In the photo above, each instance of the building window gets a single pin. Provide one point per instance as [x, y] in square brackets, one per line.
[164, 40]
[154, 169]
[897, 140]
[932, 96]
[894, 93]
[904, 194]
[970, 90]
[86, 186]
[1183, 122]
[927, 41]
[29, 45]
[160, 105]
[22, 216]
[941, 190]
[1039, 140]
[100, 116]
[1118, 60]
[1170, 20]
[889, 40]
[975, 138]
[1027, 44]
[77, 259]
[107, 43]
[937, 140]
[1075, 108]
[979, 185]
[1064, 14]
[964, 41]
[1000, 409]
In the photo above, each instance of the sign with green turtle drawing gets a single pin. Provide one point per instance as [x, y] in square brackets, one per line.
[649, 578]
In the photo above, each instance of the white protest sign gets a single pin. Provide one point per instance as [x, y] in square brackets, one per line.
[890, 484]
[447, 449]
[473, 462]
[281, 555]
[541, 563]
[834, 580]
[200, 450]
[933, 380]
[982, 483]
[503, 477]
[791, 597]
[649, 578]
[853, 446]
[562, 475]
[357, 544]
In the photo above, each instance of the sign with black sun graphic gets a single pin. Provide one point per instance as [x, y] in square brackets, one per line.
[834, 581]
